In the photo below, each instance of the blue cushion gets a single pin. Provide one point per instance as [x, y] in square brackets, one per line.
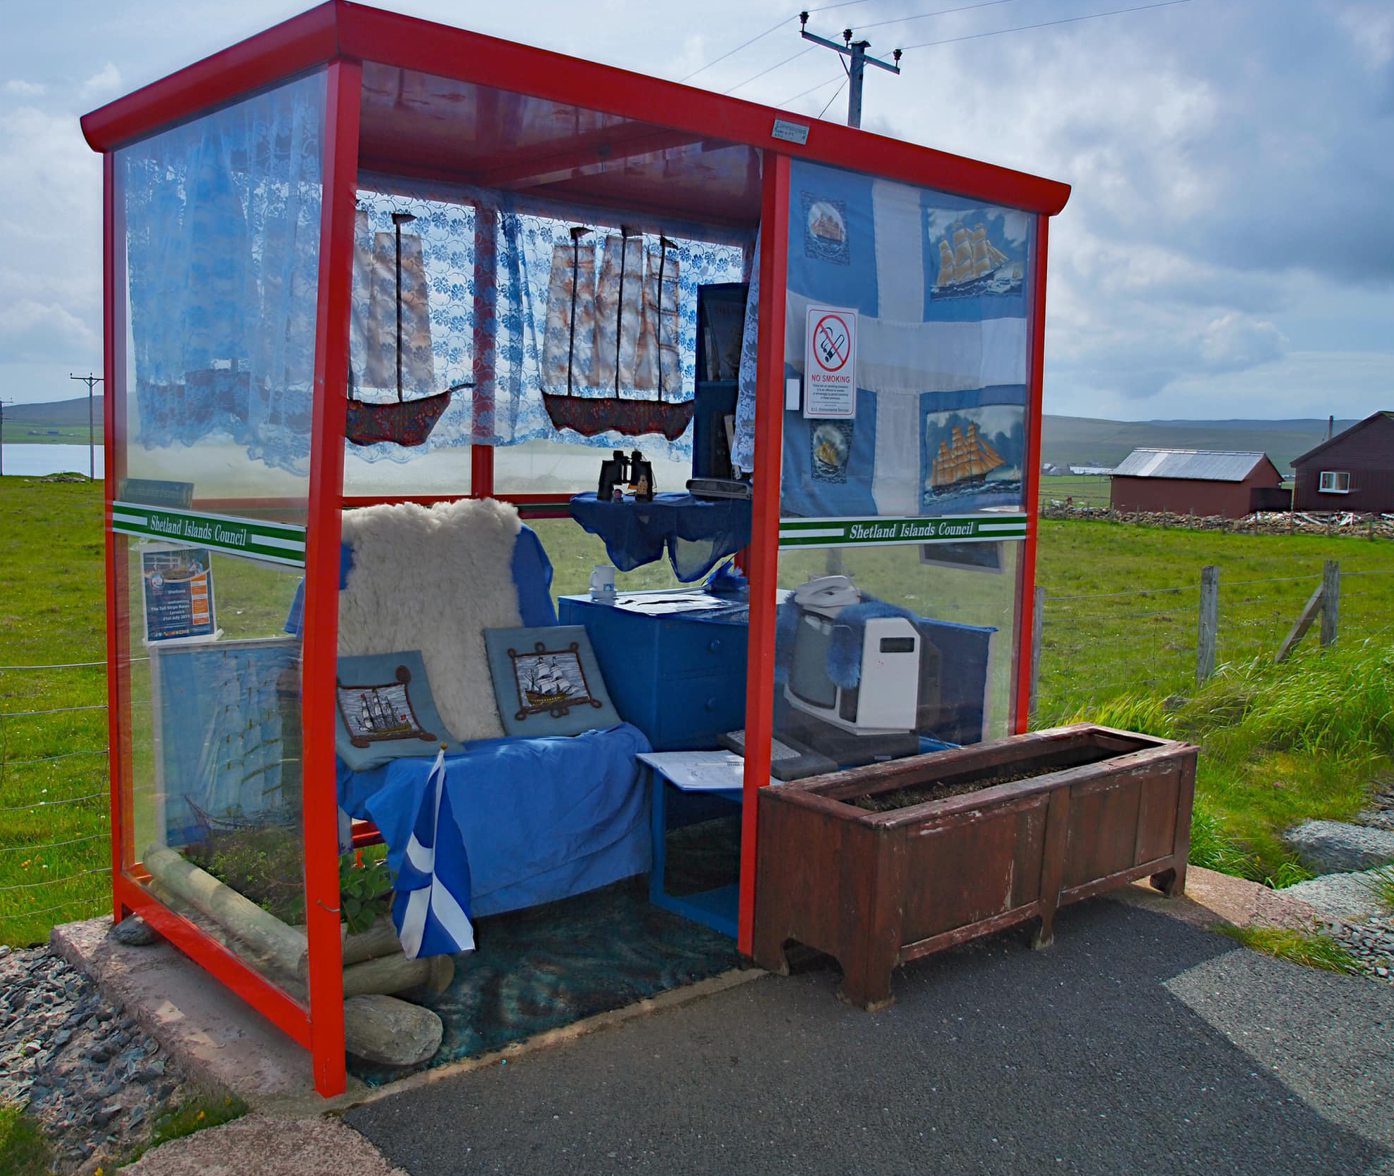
[547, 681]
[384, 710]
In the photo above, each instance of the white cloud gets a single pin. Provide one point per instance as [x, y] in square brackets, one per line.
[105, 83]
[23, 89]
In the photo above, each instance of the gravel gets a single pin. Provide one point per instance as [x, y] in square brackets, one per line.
[86, 1072]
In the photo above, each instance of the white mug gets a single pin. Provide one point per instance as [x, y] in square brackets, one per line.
[603, 584]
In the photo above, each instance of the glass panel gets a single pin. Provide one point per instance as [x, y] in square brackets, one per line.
[222, 229]
[905, 436]
[486, 309]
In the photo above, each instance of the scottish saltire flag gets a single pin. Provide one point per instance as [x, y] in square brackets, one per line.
[940, 286]
[432, 918]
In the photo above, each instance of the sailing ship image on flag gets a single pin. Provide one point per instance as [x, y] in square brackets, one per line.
[978, 252]
[973, 459]
[550, 681]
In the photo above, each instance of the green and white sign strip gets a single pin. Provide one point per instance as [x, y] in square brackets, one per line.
[887, 532]
[280, 543]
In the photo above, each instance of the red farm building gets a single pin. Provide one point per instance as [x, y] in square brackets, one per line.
[1352, 471]
[1197, 482]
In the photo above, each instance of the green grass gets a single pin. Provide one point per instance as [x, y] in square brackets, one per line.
[1279, 744]
[24, 1151]
[1382, 883]
[196, 1114]
[1312, 951]
[51, 611]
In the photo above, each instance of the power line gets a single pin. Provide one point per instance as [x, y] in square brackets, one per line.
[774, 28]
[1047, 23]
[841, 77]
[831, 100]
[880, 24]
[763, 72]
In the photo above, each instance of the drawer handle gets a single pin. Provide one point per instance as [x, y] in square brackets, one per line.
[714, 646]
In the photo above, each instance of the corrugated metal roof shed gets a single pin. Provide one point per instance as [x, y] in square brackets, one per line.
[1195, 464]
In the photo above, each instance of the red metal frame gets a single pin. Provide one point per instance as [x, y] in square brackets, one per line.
[764, 539]
[118, 630]
[371, 35]
[1031, 486]
[661, 115]
[320, 651]
[276, 1006]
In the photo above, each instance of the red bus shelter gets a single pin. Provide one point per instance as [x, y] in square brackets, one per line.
[234, 197]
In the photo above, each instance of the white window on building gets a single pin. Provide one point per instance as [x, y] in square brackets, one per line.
[1335, 482]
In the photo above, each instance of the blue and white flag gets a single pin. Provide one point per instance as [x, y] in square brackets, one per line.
[431, 917]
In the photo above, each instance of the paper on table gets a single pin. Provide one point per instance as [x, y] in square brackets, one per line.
[699, 771]
[669, 602]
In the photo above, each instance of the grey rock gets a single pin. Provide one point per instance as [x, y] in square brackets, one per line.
[1340, 896]
[1333, 847]
[5, 950]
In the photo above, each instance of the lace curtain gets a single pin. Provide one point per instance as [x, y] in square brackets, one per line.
[464, 233]
[222, 245]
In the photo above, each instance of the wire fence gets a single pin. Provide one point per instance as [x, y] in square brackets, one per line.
[54, 797]
[1093, 646]
[1097, 646]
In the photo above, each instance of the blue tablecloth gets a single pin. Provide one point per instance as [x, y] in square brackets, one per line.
[696, 533]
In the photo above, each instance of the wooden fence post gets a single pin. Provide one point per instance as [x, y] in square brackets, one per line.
[1330, 602]
[1209, 622]
[1037, 624]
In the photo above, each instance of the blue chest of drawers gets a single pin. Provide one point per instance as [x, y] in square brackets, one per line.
[680, 681]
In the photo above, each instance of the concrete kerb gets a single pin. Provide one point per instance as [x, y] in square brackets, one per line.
[226, 1047]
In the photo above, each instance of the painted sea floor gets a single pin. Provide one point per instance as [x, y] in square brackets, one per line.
[550, 966]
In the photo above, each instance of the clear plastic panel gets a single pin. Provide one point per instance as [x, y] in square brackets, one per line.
[905, 445]
[222, 228]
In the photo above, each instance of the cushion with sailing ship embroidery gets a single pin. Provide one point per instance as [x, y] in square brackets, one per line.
[547, 681]
[384, 710]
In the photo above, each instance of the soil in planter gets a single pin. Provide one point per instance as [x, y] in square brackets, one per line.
[884, 802]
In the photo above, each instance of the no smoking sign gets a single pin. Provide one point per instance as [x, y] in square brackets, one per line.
[830, 363]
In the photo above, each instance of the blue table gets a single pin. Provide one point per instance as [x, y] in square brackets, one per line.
[692, 772]
[696, 533]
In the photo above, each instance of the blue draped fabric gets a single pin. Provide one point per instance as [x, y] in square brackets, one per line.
[696, 533]
[529, 820]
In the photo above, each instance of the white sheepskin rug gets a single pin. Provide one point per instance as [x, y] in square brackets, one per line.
[434, 579]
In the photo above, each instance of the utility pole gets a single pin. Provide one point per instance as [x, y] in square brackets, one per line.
[89, 380]
[2, 434]
[856, 51]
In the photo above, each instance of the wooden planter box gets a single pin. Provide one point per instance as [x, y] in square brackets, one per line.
[1084, 809]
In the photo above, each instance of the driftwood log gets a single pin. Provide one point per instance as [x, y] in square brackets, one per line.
[389, 1031]
[283, 946]
[379, 1028]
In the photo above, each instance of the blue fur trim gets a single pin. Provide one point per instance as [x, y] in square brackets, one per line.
[849, 629]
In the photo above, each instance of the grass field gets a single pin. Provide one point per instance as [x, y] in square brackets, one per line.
[1080, 489]
[1119, 645]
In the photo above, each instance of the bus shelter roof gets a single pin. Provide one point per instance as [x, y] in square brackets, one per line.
[447, 104]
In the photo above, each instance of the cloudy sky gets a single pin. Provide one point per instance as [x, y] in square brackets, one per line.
[1228, 250]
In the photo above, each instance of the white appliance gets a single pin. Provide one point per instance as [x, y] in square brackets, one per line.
[886, 698]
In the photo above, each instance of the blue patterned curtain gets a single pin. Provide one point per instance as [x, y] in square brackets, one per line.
[222, 240]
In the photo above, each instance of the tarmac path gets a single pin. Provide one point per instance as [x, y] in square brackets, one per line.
[1136, 1044]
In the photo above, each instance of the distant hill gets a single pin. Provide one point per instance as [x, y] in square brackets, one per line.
[55, 413]
[1069, 440]
[1065, 440]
